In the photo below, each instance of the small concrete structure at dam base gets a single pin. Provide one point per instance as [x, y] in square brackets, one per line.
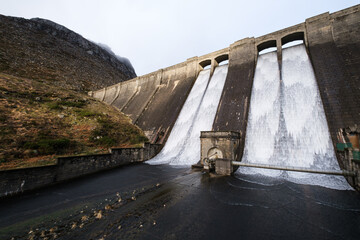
[218, 149]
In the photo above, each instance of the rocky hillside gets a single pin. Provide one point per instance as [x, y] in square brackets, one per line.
[39, 121]
[43, 50]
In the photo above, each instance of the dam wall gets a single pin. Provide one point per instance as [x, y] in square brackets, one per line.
[153, 101]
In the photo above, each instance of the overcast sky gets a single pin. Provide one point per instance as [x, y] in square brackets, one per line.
[155, 34]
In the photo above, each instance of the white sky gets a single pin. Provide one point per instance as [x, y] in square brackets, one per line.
[155, 34]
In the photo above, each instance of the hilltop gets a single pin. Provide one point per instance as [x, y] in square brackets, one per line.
[43, 50]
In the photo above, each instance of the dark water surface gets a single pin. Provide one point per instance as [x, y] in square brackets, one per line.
[162, 202]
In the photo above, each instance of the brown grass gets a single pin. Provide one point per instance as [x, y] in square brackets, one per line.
[39, 122]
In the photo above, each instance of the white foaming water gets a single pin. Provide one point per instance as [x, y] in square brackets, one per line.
[197, 114]
[287, 124]
[264, 113]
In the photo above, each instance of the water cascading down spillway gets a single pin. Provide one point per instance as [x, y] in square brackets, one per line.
[197, 114]
[287, 124]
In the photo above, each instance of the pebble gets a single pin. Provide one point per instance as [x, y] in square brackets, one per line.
[98, 215]
[73, 226]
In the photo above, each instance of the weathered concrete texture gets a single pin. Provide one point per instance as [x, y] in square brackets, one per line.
[146, 90]
[110, 94]
[124, 93]
[131, 97]
[346, 34]
[333, 44]
[160, 115]
[153, 101]
[233, 108]
[219, 144]
[279, 38]
[99, 95]
[20, 180]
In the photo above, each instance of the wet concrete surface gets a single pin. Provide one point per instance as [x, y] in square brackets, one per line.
[162, 202]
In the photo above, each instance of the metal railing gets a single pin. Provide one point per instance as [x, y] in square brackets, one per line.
[307, 170]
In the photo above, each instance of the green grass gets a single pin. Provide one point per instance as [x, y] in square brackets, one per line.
[109, 133]
[49, 146]
[57, 105]
[87, 113]
[139, 139]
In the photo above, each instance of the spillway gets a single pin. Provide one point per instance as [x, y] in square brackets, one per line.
[197, 114]
[287, 124]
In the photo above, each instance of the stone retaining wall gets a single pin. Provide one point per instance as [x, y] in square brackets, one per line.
[20, 180]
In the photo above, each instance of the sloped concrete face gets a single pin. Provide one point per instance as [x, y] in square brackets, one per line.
[145, 91]
[124, 94]
[111, 93]
[161, 112]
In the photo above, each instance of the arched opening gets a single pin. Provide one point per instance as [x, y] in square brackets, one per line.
[265, 47]
[207, 67]
[222, 59]
[292, 39]
[215, 153]
[206, 64]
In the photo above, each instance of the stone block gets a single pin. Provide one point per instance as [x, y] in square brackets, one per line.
[223, 166]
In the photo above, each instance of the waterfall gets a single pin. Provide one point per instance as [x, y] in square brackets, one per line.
[197, 114]
[287, 124]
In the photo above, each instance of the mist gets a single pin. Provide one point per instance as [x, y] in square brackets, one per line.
[123, 60]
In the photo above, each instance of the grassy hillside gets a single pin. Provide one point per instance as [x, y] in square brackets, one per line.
[39, 121]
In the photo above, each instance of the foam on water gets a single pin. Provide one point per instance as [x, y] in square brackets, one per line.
[287, 124]
[197, 114]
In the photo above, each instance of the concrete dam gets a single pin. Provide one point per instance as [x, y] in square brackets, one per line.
[287, 105]
[288, 100]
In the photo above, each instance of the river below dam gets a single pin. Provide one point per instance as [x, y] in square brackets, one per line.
[164, 202]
